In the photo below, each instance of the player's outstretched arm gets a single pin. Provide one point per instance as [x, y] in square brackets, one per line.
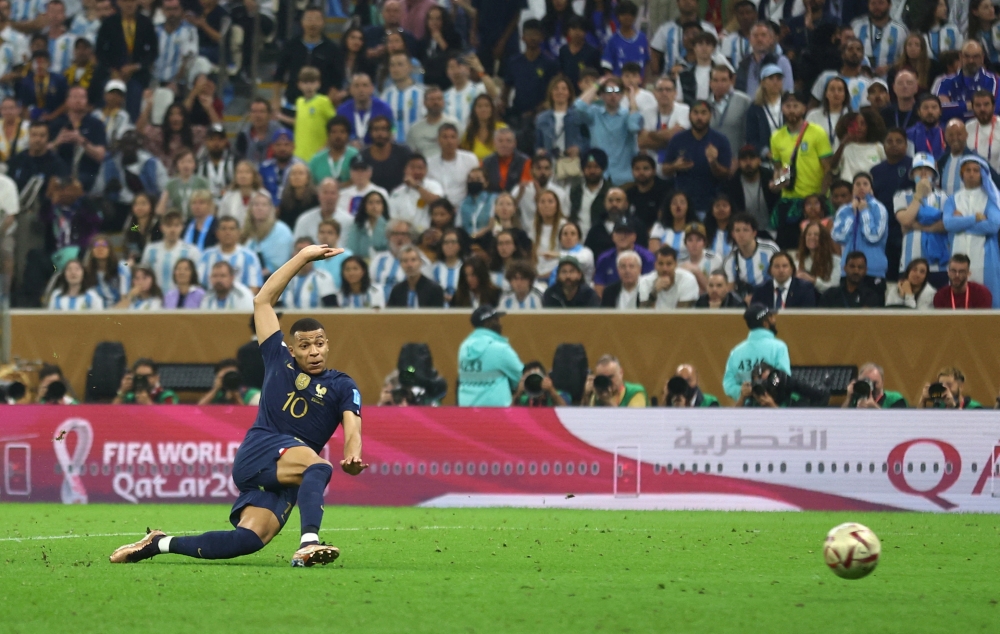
[264, 317]
[352, 462]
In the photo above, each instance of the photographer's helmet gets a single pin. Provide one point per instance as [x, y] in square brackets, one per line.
[923, 159]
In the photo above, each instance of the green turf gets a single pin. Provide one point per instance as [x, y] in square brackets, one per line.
[501, 570]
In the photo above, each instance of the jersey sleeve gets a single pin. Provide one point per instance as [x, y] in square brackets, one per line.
[274, 351]
[348, 397]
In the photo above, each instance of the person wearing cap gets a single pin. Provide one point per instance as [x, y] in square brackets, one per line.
[762, 344]
[852, 55]
[624, 237]
[764, 117]
[570, 290]
[876, 95]
[972, 218]
[41, 91]
[216, 163]
[612, 129]
[749, 188]
[489, 369]
[699, 159]
[919, 211]
[764, 51]
[349, 201]
[116, 120]
[956, 91]
[586, 198]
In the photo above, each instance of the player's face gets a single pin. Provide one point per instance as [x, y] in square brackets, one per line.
[310, 350]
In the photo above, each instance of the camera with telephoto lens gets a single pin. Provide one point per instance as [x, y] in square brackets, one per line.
[533, 384]
[423, 389]
[140, 383]
[781, 387]
[679, 393]
[55, 392]
[603, 383]
[232, 380]
[937, 393]
[11, 391]
[863, 389]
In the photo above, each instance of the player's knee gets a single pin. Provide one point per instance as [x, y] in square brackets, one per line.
[322, 468]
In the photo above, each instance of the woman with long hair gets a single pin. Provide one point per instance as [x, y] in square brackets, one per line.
[366, 236]
[141, 227]
[483, 122]
[175, 133]
[270, 238]
[358, 290]
[177, 193]
[559, 129]
[816, 208]
[836, 103]
[104, 272]
[859, 149]
[186, 292]
[912, 290]
[441, 39]
[916, 57]
[352, 43]
[506, 248]
[816, 259]
[505, 214]
[71, 291]
[246, 183]
[940, 32]
[448, 267]
[669, 229]
[764, 116]
[548, 220]
[717, 226]
[983, 28]
[475, 285]
[145, 293]
[299, 194]
[571, 243]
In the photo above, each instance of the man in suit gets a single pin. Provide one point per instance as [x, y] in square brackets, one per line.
[127, 48]
[624, 294]
[503, 169]
[749, 188]
[784, 290]
[729, 107]
[586, 199]
[417, 290]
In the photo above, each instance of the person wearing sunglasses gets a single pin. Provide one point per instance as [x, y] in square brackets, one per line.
[612, 129]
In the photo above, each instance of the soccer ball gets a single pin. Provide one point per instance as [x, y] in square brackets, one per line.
[851, 550]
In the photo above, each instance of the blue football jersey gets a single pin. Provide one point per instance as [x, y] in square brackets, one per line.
[306, 406]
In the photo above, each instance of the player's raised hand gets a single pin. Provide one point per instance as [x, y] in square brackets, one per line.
[353, 466]
[319, 252]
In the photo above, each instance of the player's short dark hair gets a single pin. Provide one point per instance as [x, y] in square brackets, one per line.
[339, 120]
[306, 324]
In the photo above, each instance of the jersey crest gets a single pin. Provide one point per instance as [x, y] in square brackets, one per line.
[302, 381]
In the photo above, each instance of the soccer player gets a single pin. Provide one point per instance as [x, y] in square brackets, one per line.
[278, 463]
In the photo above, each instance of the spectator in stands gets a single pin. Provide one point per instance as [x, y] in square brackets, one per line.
[476, 286]
[312, 287]
[694, 397]
[611, 128]
[104, 271]
[546, 395]
[362, 108]
[423, 136]
[730, 110]
[570, 244]
[624, 294]
[128, 172]
[452, 167]
[956, 91]
[177, 49]
[274, 172]
[668, 287]
[784, 289]
[764, 51]
[876, 97]
[459, 97]
[299, 195]
[186, 293]
[416, 290]
[890, 177]
[928, 135]
[329, 233]
[481, 130]
[142, 385]
[448, 268]
[141, 227]
[312, 49]
[349, 201]
[177, 194]
[979, 128]
[913, 289]
[476, 209]
[523, 295]
[254, 138]
[242, 40]
[326, 208]
[559, 129]
[357, 290]
[698, 159]
[199, 230]
[385, 266]
[919, 213]
[764, 116]
[661, 124]
[884, 50]
[647, 192]
[816, 260]
[903, 113]
[599, 238]
[403, 94]
[41, 91]
[215, 162]
[863, 226]
[675, 215]
[267, 236]
[546, 224]
[71, 292]
[227, 388]
[694, 82]
[857, 289]
[506, 168]
[879, 397]
[953, 396]
[13, 128]
[576, 53]
[527, 193]
[411, 200]
[144, 293]
[611, 390]
[208, 22]
[243, 263]
[36, 160]
[700, 261]
[529, 73]
[161, 256]
[78, 130]
[367, 235]
[174, 135]
[718, 294]
[71, 217]
[439, 41]
[748, 263]
[388, 160]
[962, 293]
[586, 199]
[246, 183]
[334, 161]
[761, 345]
[859, 150]
[667, 47]
[749, 189]
[392, 22]
[972, 219]
[624, 238]
[226, 293]
[835, 101]
[570, 289]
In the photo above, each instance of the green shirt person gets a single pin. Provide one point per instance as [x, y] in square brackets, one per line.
[948, 392]
[606, 387]
[686, 392]
[142, 386]
[228, 388]
[879, 397]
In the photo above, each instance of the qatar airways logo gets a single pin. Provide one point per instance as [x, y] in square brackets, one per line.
[899, 467]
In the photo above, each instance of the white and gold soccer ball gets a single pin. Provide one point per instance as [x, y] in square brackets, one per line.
[851, 550]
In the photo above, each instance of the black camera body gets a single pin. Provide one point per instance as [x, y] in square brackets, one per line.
[533, 384]
[232, 381]
[55, 392]
[780, 386]
[937, 392]
[679, 393]
[603, 383]
[13, 390]
[140, 383]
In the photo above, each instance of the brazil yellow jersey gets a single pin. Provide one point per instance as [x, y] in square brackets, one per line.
[310, 125]
[809, 171]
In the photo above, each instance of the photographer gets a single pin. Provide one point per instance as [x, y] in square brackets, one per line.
[536, 388]
[53, 388]
[772, 387]
[682, 390]
[142, 386]
[947, 393]
[228, 388]
[606, 386]
[761, 345]
[867, 391]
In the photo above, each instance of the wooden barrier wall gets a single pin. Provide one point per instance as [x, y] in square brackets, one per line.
[911, 346]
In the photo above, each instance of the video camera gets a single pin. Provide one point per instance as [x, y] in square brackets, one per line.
[780, 386]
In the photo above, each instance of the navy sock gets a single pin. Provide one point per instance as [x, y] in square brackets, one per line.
[314, 481]
[217, 544]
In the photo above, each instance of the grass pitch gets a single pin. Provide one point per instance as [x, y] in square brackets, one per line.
[501, 570]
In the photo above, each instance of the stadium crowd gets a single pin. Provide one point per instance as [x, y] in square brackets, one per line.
[525, 155]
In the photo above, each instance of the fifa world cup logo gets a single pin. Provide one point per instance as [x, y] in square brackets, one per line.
[73, 491]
